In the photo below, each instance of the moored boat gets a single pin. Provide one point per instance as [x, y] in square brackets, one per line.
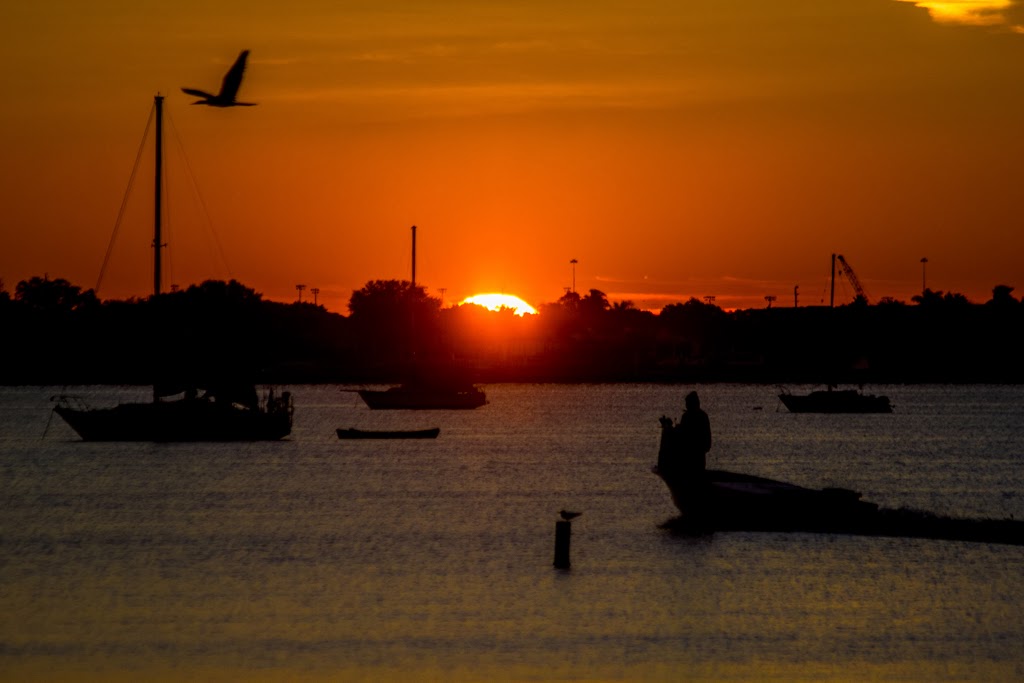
[353, 433]
[437, 390]
[432, 396]
[231, 411]
[192, 418]
[835, 401]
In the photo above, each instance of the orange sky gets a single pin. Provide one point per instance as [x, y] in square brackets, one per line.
[675, 149]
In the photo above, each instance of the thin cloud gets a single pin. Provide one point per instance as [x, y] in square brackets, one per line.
[992, 13]
[507, 98]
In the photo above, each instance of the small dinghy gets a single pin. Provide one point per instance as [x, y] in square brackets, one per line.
[353, 433]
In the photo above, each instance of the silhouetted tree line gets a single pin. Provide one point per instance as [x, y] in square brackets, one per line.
[56, 333]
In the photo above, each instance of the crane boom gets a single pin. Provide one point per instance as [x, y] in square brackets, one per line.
[847, 271]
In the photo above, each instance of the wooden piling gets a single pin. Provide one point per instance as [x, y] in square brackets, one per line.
[563, 537]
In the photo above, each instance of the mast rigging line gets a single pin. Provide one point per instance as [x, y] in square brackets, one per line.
[199, 196]
[124, 199]
[194, 187]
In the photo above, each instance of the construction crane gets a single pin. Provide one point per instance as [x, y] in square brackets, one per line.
[854, 281]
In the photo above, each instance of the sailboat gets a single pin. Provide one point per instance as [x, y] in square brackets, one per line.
[833, 399]
[222, 412]
[434, 393]
[425, 395]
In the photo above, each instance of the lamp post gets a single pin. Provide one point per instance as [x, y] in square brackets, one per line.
[315, 290]
[924, 285]
[574, 262]
[770, 298]
[300, 288]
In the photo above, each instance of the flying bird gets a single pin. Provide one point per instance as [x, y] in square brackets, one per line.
[228, 89]
[566, 515]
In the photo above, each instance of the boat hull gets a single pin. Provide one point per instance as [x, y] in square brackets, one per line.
[184, 420]
[404, 398]
[353, 433]
[844, 401]
[728, 501]
[723, 500]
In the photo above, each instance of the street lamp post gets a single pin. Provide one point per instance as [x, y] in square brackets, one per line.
[300, 288]
[315, 290]
[574, 262]
[924, 283]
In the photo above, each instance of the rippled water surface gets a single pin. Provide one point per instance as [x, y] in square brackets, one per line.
[319, 559]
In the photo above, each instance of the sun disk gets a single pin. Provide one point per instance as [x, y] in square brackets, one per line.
[495, 302]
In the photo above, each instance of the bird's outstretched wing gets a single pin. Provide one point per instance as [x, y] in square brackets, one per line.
[233, 78]
[197, 93]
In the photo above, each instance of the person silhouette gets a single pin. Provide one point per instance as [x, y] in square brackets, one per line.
[684, 445]
[694, 435]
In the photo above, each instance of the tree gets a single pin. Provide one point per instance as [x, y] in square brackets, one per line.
[225, 292]
[594, 304]
[44, 294]
[930, 298]
[391, 300]
[395, 317]
[1002, 296]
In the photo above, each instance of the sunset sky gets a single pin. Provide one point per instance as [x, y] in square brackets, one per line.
[700, 148]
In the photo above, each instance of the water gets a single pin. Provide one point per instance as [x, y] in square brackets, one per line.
[319, 559]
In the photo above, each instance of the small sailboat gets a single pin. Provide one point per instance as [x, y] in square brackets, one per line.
[832, 399]
[224, 411]
[434, 393]
[426, 396]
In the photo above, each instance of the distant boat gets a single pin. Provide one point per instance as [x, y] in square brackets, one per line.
[211, 417]
[353, 433]
[441, 393]
[227, 411]
[431, 396]
[835, 401]
[832, 399]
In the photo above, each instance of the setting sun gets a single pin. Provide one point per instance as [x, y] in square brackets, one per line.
[495, 302]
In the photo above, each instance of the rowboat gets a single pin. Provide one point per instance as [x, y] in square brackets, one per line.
[353, 433]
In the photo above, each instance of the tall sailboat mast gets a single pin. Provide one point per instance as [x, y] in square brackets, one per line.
[159, 104]
[832, 290]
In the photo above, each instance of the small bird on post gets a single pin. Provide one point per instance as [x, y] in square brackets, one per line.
[566, 515]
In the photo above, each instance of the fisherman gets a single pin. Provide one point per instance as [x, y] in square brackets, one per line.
[694, 436]
[684, 445]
